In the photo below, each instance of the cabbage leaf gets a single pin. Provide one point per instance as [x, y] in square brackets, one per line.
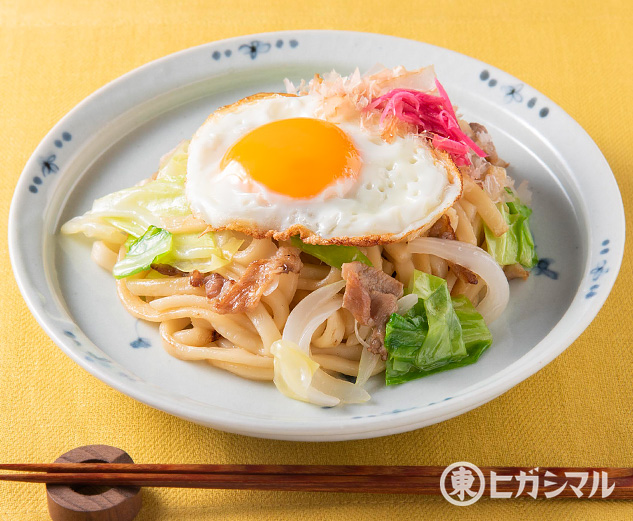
[133, 210]
[439, 333]
[205, 253]
[142, 252]
[517, 244]
[138, 212]
[334, 255]
[186, 252]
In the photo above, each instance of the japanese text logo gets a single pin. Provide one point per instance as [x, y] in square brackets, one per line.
[463, 483]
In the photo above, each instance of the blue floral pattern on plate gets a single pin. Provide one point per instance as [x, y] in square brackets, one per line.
[543, 268]
[398, 411]
[254, 48]
[512, 93]
[598, 271]
[72, 336]
[48, 164]
[140, 341]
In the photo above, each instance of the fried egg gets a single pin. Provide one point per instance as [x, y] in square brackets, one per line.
[270, 166]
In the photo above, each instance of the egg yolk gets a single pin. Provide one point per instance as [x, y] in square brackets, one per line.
[297, 157]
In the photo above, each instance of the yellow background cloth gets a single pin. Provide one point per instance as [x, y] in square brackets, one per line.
[576, 411]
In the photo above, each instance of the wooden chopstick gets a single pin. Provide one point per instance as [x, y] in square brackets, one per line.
[322, 470]
[289, 482]
[314, 478]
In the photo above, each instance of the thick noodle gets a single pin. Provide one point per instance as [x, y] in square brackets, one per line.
[306, 308]
[476, 260]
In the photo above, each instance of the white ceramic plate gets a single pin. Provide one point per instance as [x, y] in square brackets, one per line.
[115, 137]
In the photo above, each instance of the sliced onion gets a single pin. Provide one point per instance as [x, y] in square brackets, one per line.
[272, 287]
[346, 392]
[359, 335]
[307, 381]
[406, 303]
[476, 260]
[327, 309]
[303, 313]
[301, 378]
[294, 372]
[313, 395]
[368, 361]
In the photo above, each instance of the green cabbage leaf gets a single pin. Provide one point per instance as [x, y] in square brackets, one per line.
[132, 211]
[137, 214]
[517, 244]
[439, 333]
[333, 255]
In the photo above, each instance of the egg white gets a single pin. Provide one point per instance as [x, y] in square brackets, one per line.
[402, 187]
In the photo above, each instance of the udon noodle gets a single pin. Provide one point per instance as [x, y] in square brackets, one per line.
[188, 257]
[240, 343]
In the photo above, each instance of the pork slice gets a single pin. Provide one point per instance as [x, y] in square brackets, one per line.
[196, 279]
[442, 229]
[371, 296]
[213, 283]
[228, 296]
[170, 271]
[515, 271]
[382, 306]
[464, 274]
[357, 298]
[484, 141]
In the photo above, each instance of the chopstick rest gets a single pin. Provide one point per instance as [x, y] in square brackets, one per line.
[83, 503]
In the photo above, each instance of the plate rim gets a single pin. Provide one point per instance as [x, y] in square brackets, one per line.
[487, 389]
